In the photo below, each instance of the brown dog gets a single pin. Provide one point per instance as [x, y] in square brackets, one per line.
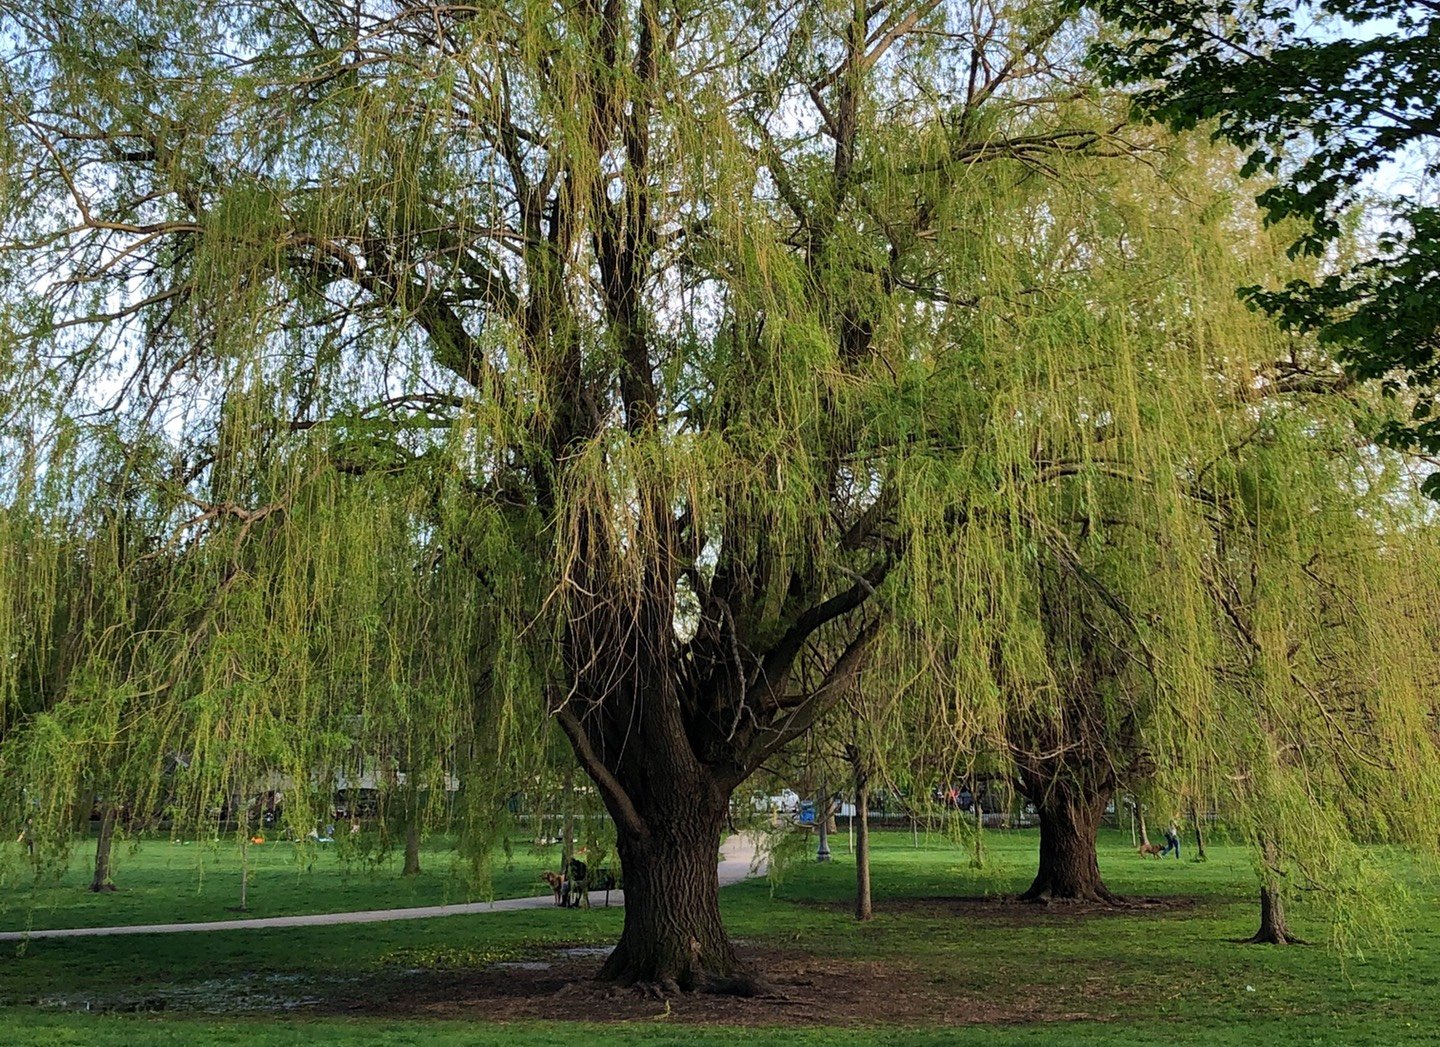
[557, 884]
[1150, 848]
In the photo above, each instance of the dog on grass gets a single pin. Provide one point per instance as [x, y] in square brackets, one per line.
[557, 885]
[1151, 848]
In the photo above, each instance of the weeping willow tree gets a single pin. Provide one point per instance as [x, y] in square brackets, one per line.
[466, 345]
[181, 680]
[1103, 595]
[1072, 616]
[1320, 732]
[1106, 666]
[64, 609]
[479, 337]
[1326, 575]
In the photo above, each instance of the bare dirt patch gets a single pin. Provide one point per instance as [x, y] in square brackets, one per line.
[808, 990]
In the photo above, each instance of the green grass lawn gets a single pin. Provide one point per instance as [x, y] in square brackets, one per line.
[163, 881]
[1142, 976]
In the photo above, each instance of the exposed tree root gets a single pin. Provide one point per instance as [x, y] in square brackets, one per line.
[743, 983]
[1100, 895]
[1273, 929]
[1266, 936]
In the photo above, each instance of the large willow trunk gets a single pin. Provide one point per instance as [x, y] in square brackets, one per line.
[1068, 772]
[1069, 867]
[673, 936]
[667, 736]
[1072, 757]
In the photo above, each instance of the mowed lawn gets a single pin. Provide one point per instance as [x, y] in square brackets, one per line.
[164, 881]
[1161, 973]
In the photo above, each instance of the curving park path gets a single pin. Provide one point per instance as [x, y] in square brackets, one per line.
[738, 861]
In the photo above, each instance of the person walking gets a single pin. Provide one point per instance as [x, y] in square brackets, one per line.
[1172, 840]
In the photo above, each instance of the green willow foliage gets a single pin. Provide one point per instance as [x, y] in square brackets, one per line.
[385, 382]
[1200, 583]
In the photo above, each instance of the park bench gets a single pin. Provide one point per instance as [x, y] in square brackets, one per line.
[581, 881]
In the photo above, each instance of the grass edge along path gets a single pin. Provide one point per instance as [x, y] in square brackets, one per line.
[738, 862]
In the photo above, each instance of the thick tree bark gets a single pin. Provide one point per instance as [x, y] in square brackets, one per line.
[1140, 817]
[101, 880]
[667, 732]
[665, 765]
[1069, 868]
[673, 937]
[1199, 833]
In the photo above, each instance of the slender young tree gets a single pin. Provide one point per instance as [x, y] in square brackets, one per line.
[100, 880]
[411, 814]
[1199, 826]
[860, 776]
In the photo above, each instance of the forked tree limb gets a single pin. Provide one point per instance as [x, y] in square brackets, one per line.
[620, 804]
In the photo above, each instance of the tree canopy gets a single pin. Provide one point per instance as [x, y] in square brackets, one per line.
[1335, 101]
[392, 380]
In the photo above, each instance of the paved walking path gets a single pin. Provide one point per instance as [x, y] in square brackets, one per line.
[738, 862]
